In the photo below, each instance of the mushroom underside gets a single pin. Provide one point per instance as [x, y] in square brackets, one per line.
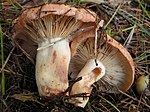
[116, 60]
[47, 28]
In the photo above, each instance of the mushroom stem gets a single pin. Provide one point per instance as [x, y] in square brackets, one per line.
[52, 67]
[90, 73]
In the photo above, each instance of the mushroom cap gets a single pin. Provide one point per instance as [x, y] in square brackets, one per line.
[142, 83]
[41, 21]
[116, 59]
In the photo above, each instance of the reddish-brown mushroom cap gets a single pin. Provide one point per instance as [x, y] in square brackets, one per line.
[52, 28]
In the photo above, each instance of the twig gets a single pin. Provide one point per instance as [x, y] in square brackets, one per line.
[134, 98]
[28, 56]
[101, 23]
[7, 59]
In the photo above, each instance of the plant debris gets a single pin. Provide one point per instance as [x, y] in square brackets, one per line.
[21, 93]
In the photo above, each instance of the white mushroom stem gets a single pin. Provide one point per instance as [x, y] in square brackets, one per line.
[52, 67]
[91, 73]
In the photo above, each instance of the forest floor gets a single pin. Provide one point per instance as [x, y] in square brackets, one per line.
[130, 26]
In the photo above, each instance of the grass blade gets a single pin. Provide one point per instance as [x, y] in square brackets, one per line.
[15, 7]
[142, 57]
[125, 16]
[110, 103]
[144, 9]
[2, 62]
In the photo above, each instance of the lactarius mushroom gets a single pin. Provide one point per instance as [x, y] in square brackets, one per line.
[112, 68]
[52, 27]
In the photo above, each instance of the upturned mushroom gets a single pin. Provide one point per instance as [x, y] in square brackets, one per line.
[52, 27]
[112, 68]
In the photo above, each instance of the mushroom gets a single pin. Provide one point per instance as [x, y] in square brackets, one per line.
[142, 83]
[51, 28]
[112, 68]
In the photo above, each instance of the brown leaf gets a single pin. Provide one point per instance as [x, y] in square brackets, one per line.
[24, 97]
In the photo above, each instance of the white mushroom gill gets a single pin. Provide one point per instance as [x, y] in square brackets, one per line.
[90, 73]
[52, 61]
